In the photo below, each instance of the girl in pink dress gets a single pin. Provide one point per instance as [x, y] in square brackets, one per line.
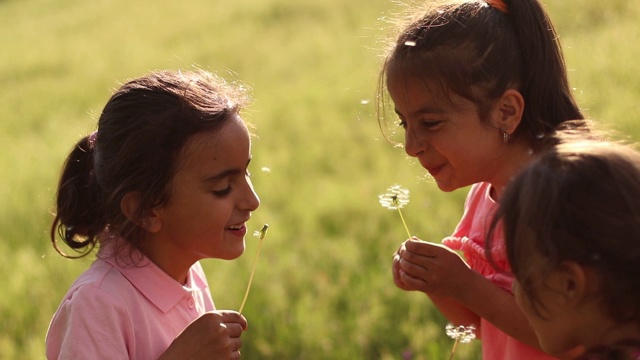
[572, 232]
[480, 89]
[161, 184]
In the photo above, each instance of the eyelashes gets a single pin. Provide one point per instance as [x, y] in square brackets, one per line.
[226, 191]
[223, 192]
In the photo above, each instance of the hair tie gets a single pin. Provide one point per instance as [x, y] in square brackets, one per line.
[92, 139]
[500, 5]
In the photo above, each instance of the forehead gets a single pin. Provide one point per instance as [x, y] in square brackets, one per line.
[223, 147]
[411, 94]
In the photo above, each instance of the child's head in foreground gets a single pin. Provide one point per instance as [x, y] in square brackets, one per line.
[572, 231]
[166, 170]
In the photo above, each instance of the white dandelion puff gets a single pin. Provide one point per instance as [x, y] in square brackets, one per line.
[461, 334]
[396, 198]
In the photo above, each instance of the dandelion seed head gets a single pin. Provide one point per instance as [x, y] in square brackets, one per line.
[396, 197]
[463, 334]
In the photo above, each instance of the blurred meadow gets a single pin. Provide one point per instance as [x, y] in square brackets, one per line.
[323, 287]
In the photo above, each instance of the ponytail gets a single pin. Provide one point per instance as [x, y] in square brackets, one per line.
[545, 85]
[77, 221]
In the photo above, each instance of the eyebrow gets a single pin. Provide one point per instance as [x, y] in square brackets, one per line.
[225, 173]
[423, 110]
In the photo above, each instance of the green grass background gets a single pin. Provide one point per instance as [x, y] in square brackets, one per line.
[323, 287]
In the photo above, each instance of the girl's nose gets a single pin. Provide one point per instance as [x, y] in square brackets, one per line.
[250, 201]
[412, 145]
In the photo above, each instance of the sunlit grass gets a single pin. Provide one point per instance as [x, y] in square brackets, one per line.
[324, 287]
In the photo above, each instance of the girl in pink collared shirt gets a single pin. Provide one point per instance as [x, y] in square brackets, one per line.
[480, 88]
[161, 184]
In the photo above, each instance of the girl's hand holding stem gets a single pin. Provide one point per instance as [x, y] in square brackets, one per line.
[431, 268]
[214, 335]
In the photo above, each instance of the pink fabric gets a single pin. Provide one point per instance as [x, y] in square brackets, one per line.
[120, 311]
[469, 237]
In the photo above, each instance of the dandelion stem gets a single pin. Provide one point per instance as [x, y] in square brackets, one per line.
[403, 222]
[453, 349]
[263, 232]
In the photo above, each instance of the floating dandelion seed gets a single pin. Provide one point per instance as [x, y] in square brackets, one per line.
[396, 198]
[364, 102]
[260, 235]
[461, 334]
[410, 43]
[265, 169]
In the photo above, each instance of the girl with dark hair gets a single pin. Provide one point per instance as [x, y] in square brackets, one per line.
[571, 225]
[480, 89]
[161, 184]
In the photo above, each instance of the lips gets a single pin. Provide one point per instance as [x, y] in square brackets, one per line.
[238, 229]
[434, 170]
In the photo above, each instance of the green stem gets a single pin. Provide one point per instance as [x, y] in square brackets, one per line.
[255, 261]
[404, 223]
[453, 350]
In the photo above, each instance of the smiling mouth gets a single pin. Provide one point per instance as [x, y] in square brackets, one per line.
[235, 227]
[435, 170]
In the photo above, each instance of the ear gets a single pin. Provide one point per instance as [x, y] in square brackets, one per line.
[572, 282]
[508, 111]
[130, 205]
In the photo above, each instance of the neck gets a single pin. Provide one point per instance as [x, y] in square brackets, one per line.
[162, 258]
[518, 157]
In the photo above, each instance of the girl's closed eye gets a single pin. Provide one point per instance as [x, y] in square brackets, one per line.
[431, 124]
[223, 192]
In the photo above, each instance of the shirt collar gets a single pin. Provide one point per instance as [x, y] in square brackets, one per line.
[153, 283]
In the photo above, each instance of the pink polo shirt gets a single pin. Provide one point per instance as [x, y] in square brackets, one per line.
[120, 311]
[469, 237]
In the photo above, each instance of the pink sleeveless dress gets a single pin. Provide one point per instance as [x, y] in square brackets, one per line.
[469, 237]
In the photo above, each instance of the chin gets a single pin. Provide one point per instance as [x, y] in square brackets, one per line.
[229, 253]
[446, 188]
[235, 253]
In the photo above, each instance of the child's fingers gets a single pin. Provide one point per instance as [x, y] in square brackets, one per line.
[424, 248]
[234, 329]
[411, 268]
[413, 283]
[230, 316]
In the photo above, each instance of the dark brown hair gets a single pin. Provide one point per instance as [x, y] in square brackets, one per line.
[141, 132]
[579, 202]
[478, 52]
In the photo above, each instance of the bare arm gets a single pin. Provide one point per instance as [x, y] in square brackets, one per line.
[456, 313]
[461, 294]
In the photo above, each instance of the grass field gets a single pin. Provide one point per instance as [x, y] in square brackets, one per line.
[323, 287]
